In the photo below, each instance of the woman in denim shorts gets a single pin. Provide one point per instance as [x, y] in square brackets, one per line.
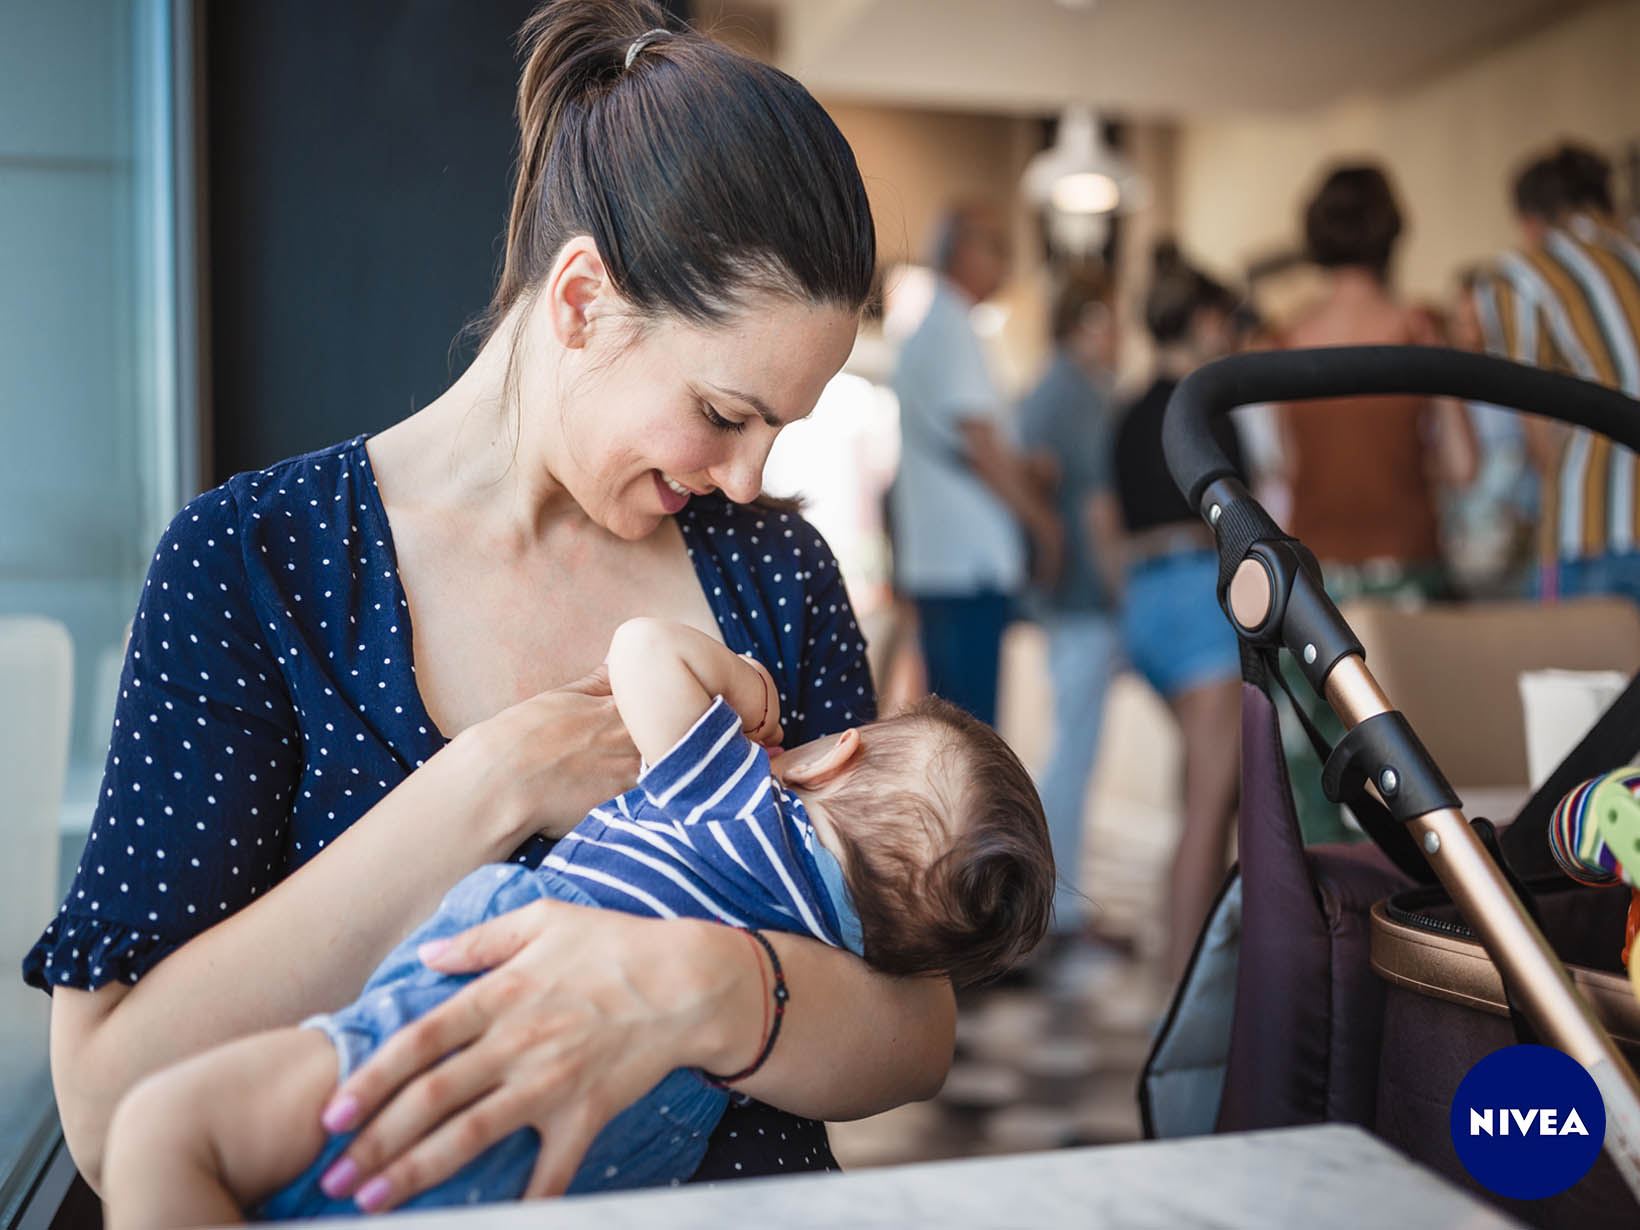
[1175, 634]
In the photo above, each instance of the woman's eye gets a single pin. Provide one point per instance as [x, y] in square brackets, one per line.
[718, 421]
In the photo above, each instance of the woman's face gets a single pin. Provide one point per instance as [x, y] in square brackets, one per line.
[675, 410]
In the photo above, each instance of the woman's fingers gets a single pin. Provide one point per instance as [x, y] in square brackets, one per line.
[489, 944]
[430, 1099]
[457, 1141]
[594, 683]
[408, 1053]
[564, 1142]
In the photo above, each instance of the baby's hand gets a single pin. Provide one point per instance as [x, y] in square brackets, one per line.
[761, 721]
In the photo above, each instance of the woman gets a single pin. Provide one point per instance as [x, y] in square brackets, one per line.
[1364, 473]
[1174, 633]
[358, 675]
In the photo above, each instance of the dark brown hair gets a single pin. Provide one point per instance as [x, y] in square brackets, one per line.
[1178, 290]
[982, 905]
[1570, 179]
[700, 173]
[1353, 220]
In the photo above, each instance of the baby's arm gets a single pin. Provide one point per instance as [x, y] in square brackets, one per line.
[665, 675]
[199, 1143]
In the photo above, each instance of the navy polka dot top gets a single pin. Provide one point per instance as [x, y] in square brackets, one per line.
[268, 698]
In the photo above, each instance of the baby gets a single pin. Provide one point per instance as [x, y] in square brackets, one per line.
[918, 842]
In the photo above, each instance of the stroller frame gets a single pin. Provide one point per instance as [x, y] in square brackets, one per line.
[1270, 587]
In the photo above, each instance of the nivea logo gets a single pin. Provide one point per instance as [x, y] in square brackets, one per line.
[1528, 1122]
[1541, 1120]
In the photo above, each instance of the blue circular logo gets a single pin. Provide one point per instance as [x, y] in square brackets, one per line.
[1528, 1122]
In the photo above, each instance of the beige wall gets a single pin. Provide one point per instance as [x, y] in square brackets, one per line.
[1452, 145]
[915, 162]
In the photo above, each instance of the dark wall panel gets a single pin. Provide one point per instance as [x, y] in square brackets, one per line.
[358, 168]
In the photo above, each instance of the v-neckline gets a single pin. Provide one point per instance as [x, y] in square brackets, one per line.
[694, 548]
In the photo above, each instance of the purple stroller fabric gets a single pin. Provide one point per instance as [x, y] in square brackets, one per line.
[1305, 1036]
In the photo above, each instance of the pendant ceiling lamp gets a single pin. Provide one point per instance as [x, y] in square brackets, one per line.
[1079, 173]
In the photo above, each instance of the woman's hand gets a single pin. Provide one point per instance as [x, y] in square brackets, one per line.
[554, 757]
[582, 1012]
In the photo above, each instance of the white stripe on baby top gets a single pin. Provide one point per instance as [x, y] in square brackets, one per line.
[707, 833]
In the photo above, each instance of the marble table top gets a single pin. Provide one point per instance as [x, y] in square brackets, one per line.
[1332, 1175]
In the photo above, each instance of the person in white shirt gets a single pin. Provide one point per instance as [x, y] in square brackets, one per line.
[964, 492]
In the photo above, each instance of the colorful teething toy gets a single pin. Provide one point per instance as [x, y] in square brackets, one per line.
[1594, 829]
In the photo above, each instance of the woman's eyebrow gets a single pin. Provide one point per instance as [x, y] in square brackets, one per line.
[755, 402]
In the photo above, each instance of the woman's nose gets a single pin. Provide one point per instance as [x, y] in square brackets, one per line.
[741, 477]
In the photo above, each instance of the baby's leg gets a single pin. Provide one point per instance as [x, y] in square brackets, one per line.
[200, 1142]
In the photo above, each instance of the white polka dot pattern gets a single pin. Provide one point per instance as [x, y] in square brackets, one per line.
[268, 697]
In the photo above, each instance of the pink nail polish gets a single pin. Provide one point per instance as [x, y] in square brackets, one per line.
[338, 1181]
[429, 951]
[372, 1195]
[340, 1114]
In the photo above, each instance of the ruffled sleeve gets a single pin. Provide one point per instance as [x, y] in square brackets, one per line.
[202, 765]
[80, 950]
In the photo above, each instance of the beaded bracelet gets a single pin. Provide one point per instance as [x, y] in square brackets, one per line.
[777, 1001]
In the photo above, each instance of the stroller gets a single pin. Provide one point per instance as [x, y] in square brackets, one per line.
[1299, 953]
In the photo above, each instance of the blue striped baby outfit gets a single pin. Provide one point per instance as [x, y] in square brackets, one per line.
[707, 833]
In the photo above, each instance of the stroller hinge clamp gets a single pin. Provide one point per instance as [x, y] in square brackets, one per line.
[1385, 749]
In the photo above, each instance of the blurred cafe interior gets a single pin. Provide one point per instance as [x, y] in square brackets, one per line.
[238, 232]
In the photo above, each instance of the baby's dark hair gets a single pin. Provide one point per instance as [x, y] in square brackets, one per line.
[983, 904]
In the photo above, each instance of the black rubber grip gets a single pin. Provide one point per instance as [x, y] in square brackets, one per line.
[1195, 459]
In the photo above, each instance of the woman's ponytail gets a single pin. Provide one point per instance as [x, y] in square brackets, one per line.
[699, 173]
[573, 49]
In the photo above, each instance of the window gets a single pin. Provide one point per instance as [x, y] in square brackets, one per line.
[97, 436]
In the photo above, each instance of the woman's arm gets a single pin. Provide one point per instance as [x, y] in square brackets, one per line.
[854, 1042]
[1456, 448]
[1105, 530]
[582, 1010]
[309, 943]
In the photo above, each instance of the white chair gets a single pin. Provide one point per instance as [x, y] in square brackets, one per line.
[36, 697]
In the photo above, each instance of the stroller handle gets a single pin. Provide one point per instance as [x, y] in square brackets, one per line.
[1195, 460]
[1285, 604]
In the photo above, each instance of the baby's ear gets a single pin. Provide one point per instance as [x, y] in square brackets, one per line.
[817, 766]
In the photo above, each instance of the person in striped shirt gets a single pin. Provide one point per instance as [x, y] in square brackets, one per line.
[917, 842]
[1569, 300]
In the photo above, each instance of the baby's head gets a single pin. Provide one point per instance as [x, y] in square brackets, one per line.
[941, 836]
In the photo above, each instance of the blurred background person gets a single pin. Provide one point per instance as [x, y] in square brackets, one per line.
[1364, 473]
[1569, 299]
[1490, 527]
[963, 491]
[1172, 628]
[1065, 427]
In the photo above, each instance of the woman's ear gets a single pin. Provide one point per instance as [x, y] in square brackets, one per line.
[577, 292]
[822, 766]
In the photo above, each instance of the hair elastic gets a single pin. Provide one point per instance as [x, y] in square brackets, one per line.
[643, 40]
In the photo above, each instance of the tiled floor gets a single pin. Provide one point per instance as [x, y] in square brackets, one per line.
[1040, 1067]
